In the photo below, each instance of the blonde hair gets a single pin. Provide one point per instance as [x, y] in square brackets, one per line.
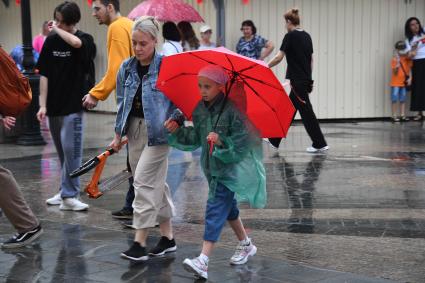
[293, 16]
[147, 24]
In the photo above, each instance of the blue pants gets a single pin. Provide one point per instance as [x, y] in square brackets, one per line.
[67, 135]
[398, 94]
[220, 208]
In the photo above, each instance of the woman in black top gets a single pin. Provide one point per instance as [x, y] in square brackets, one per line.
[298, 49]
[415, 42]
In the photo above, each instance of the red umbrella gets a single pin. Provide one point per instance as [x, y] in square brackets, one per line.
[166, 10]
[265, 102]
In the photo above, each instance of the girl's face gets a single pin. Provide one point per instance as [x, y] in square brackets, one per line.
[143, 45]
[414, 26]
[209, 89]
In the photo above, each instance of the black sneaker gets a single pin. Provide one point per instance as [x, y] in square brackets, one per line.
[22, 239]
[122, 214]
[164, 246]
[136, 253]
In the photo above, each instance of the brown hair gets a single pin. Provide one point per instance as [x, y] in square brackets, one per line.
[293, 16]
[188, 34]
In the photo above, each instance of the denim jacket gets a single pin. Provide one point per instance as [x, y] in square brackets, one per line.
[157, 108]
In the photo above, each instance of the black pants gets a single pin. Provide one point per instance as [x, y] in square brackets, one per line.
[417, 102]
[300, 99]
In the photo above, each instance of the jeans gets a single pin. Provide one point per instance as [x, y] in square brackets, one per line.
[67, 135]
[221, 207]
[398, 94]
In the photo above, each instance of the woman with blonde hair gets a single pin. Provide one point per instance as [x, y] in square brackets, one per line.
[297, 46]
[142, 111]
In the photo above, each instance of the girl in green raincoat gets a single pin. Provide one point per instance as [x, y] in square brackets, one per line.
[231, 160]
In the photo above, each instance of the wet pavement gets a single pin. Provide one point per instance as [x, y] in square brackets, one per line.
[355, 214]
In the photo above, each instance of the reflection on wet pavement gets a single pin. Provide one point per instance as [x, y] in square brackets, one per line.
[329, 218]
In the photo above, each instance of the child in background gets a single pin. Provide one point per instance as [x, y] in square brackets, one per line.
[233, 167]
[400, 79]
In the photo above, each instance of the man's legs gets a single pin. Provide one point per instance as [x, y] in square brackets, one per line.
[13, 203]
[17, 211]
[72, 143]
[67, 133]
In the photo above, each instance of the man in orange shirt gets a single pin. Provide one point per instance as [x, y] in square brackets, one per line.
[400, 80]
[118, 44]
[119, 48]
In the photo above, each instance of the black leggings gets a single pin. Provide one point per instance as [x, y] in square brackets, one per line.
[300, 99]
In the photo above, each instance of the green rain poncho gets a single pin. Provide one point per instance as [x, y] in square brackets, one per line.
[237, 164]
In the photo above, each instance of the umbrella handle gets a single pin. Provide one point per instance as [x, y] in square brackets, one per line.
[111, 151]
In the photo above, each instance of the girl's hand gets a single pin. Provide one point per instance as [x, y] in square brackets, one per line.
[116, 143]
[171, 125]
[214, 138]
[8, 122]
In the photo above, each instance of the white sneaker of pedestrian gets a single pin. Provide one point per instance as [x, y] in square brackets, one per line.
[242, 253]
[55, 200]
[73, 204]
[197, 267]
[315, 150]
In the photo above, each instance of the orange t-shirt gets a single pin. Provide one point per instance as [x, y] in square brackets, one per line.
[398, 79]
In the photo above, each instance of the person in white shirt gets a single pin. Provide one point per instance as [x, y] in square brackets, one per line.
[206, 33]
[172, 39]
[415, 42]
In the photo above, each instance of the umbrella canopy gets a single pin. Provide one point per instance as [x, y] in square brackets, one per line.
[166, 10]
[265, 101]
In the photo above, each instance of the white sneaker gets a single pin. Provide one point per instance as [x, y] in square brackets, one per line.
[242, 253]
[73, 204]
[315, 150]
[196, 266]
[55, 200]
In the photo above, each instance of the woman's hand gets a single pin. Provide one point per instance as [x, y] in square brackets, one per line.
[116, 143]
[171, 125]
[214, 138]
[8, 122]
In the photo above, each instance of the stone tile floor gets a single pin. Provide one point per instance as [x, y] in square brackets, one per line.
[355, 214]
